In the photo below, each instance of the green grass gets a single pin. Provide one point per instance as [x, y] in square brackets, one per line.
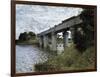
[31, 41]
[71, 59]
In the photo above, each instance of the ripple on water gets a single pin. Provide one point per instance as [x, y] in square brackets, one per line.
[27, 56]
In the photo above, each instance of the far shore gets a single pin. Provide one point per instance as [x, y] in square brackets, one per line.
[28, 42]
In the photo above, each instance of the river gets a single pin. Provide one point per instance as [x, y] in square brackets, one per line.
[27, 56]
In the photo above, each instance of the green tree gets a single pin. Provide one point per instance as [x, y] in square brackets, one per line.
[23, 36]
[84, 34]
[32, 33]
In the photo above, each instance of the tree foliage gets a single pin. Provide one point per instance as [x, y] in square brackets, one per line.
[26, 36]
[32, 34]
[84, 34]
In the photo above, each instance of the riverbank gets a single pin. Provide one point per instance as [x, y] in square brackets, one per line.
[27, 42]
[70, 59]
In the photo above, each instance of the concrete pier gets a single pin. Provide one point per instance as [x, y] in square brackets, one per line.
[45, 41]
[65, 38]
[53, 41]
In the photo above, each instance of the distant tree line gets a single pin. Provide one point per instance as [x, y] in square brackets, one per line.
[27, 36]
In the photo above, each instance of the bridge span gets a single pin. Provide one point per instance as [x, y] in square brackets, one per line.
[48, 38]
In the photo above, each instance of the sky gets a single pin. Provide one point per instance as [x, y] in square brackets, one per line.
[38, 18]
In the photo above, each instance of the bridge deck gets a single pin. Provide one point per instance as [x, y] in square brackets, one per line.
[65, 24]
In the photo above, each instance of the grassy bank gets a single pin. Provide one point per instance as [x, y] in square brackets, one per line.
[26, 42]
[70, 59]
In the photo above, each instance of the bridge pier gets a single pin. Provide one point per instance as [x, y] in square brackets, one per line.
[45, 41]
[41, 41]
[53, 41]
[65, 39]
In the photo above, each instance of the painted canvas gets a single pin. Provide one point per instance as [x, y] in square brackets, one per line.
[54, 38]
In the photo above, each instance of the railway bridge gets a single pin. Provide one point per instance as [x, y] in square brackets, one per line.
[48, 38]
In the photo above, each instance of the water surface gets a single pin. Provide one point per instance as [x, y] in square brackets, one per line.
[27, 56]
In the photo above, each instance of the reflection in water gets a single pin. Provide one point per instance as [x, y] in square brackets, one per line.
[27, 56]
